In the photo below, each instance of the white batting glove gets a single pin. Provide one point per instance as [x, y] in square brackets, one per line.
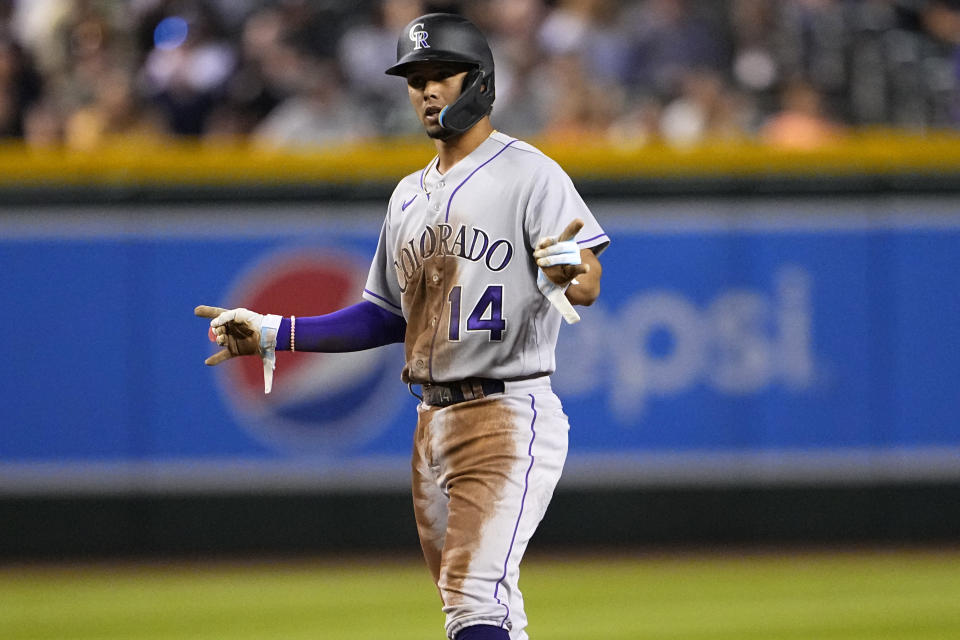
[551, 252]
[244, 332]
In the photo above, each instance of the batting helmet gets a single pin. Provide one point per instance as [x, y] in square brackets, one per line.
[445, 37]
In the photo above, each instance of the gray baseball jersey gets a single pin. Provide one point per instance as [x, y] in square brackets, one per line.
[455, 260]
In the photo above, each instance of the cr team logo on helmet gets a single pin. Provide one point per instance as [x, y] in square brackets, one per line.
[419, 36]
[321, 403]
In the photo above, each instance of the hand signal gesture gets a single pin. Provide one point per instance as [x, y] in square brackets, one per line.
[236, 329]
[559, 260]
[559, 256]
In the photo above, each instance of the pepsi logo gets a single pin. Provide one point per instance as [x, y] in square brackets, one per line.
[321, 402]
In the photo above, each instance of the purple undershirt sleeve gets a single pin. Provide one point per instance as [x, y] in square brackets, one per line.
[355, 328]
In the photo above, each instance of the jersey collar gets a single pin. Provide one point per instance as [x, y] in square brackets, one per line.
[459, 172]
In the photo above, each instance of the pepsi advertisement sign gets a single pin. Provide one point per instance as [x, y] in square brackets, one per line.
[734, 341]
[319, 402]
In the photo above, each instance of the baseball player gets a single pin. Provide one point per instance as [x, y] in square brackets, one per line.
[480, 257]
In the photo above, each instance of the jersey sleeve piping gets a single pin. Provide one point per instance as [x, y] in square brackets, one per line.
[598, 242]
[381, 301]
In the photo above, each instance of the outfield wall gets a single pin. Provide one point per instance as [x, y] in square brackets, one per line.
[760, 369]
[736, 341]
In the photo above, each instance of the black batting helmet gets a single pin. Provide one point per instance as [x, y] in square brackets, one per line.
[445, 37]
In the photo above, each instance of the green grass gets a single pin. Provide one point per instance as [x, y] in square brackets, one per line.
[829, 596]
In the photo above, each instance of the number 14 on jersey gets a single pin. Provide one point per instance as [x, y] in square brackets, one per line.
[487, 314]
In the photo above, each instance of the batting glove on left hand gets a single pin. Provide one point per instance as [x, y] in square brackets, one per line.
[559, 260]
[243, 333]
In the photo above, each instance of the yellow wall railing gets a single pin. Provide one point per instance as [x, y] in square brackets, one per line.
[385, 161]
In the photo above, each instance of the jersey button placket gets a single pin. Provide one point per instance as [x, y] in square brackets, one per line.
[437, 301]
[434, 282]
[437, 200]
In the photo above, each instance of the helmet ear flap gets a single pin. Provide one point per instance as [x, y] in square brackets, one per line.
[485, 83]
[486, 88]
[475, 101]
[474, 83]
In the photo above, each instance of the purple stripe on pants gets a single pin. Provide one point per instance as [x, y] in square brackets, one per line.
[523, 499]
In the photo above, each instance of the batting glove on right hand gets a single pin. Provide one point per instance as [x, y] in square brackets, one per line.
[243, 333]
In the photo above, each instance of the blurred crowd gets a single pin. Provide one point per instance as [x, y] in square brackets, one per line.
[299, 73]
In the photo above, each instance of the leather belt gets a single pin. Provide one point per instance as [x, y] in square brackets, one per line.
[448, 393]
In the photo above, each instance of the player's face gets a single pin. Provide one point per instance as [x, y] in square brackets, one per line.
[432, 86]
